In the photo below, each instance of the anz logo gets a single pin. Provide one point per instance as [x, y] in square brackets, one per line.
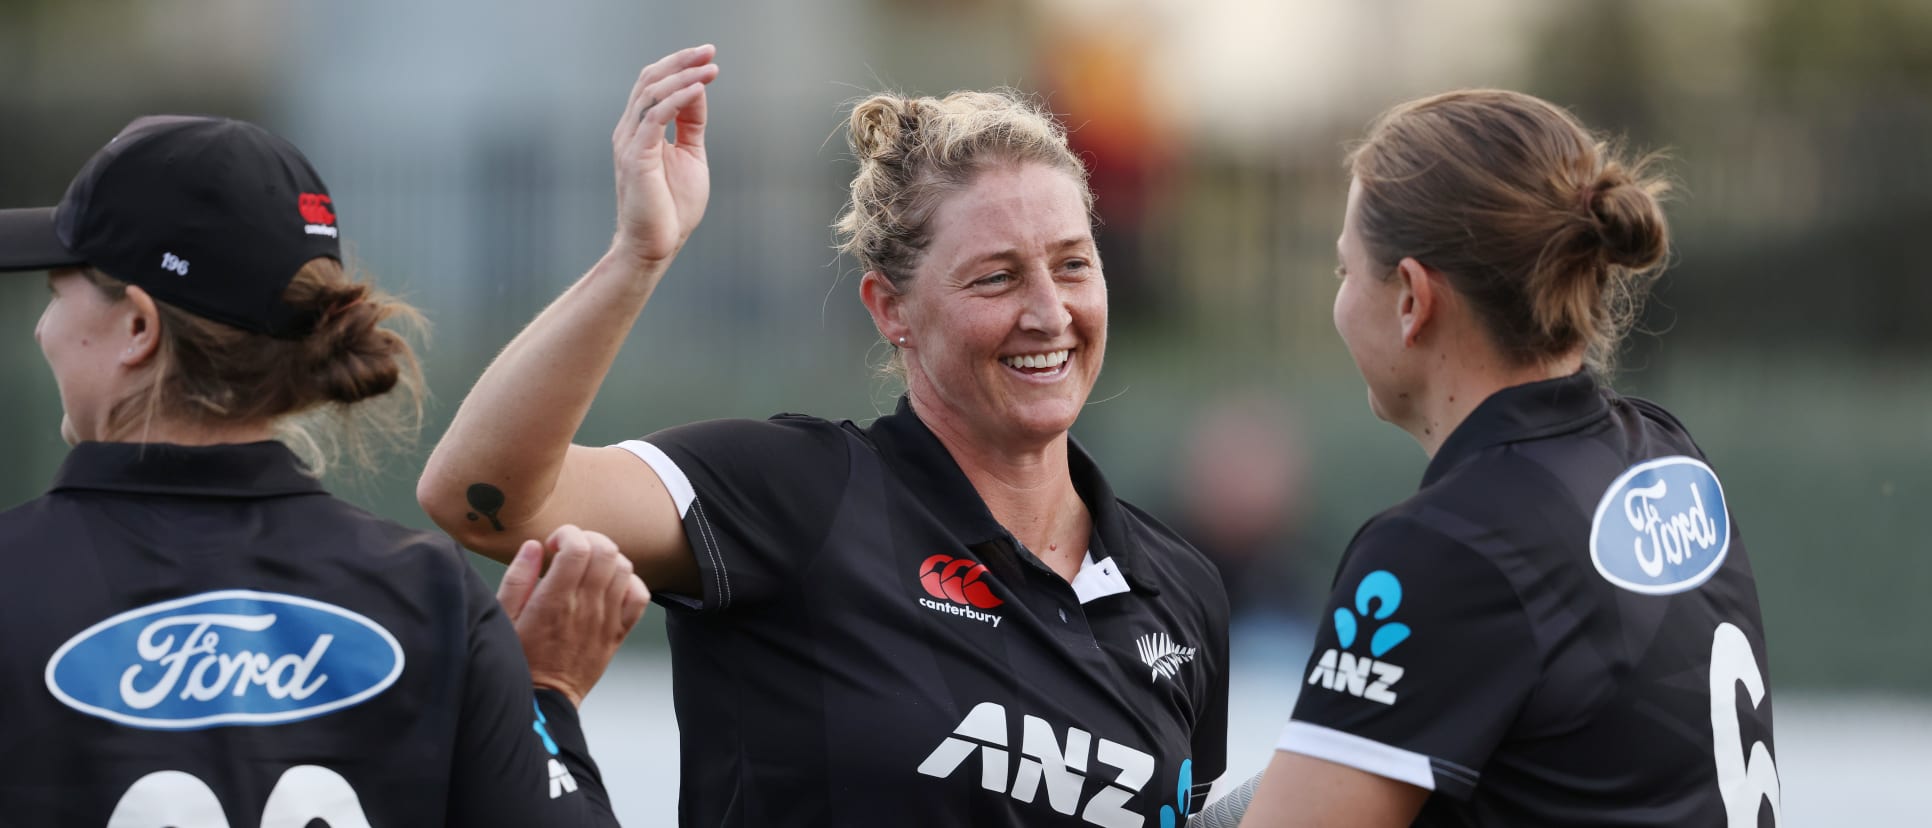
[1062, 768]
[1661, 527]
[561, 782]
[233, 657]
[1368, 677]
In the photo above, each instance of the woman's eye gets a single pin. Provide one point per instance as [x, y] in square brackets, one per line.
[1076, 268]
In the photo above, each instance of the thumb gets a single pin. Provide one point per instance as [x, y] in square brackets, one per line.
[520, 580]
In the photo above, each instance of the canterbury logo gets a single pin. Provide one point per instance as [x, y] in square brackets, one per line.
[1158, 650]
[959, 580]
[319, 212]
[315, 208]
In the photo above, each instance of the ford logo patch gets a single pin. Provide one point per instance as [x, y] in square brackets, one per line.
[234, 657]
[1661, 527]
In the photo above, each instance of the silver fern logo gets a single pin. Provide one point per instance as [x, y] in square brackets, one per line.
[1158, 650]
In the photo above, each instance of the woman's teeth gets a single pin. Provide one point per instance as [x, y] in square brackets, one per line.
[1051, 359]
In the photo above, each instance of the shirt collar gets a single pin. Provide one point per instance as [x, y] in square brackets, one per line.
[1522, 412]
[263, 469]
[916, 457]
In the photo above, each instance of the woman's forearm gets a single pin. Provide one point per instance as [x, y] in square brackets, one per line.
[499, 461]
[494, 472]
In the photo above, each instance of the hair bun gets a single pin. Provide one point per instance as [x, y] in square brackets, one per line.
[879, 125]
[1629, 221]
[353, 358]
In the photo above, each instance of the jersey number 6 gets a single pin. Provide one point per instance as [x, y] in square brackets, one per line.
[1744, 779]
[173, 799]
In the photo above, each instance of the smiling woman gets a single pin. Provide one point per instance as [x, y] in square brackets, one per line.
[907, 602]
[973, 222]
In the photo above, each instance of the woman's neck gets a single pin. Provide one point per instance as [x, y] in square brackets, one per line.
[188, 434]
[1464, 380]
[1028, 488]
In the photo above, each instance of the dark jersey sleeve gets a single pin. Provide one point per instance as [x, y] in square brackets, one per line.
[520, 755]
[1423, 659]
[756, 496]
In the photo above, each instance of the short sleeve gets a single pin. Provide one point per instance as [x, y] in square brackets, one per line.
[1423, 659]
[520, 757]
[757, 498]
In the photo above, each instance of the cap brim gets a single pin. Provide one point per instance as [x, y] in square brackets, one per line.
[28, 241]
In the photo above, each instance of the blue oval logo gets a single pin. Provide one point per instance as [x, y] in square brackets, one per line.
[233, 657]
[1661, 527]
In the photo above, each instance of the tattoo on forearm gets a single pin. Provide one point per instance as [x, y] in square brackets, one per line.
[487, 500]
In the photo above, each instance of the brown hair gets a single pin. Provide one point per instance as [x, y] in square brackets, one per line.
[1551, 235]
[210, 372]
[912, 152]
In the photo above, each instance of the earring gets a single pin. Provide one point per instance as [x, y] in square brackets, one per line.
[902, 340]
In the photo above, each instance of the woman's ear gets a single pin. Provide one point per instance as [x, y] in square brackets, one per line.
[883, 301]
[141, 328]
[1420, 299]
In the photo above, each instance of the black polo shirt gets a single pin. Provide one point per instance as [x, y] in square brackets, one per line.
[204, 638]
[1560, 628]
[873, 648]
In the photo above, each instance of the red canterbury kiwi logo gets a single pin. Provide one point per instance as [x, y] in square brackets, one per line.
[959, 580]
[315, 208]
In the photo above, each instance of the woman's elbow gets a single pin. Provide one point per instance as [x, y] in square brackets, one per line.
[443, 501]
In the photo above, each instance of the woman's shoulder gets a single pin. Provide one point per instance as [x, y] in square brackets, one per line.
[769, 446]
[1651, 411]
[1456, 525]
[38, 520]
[1152, 530]
[1161, 546]
[784, 454]
[784, 431]
[372, 532]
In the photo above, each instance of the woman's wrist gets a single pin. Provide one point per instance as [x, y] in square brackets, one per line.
[563, 689]
[625, 255]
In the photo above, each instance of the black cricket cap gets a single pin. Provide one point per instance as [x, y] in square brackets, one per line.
[211, 215]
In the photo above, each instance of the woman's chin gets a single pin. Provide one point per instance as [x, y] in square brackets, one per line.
[1046, 418]
[1375, 407]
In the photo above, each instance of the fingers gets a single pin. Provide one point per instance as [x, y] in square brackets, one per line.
[589, 579]
[620, 574]
[624, 594]
[520, 579]
[640, 99]
[679, 97]
[681, 59]
[662, 114]
[691, 119]
[571, 558]
[605, 566]
[663, 89]
[589, 564]
[636, 598]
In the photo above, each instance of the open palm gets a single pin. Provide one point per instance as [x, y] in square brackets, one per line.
[662, 186]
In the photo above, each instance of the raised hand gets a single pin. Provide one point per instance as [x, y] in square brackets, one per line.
[571, 619]
[662, 186]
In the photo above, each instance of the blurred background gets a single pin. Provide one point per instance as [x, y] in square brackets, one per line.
[467, 145]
